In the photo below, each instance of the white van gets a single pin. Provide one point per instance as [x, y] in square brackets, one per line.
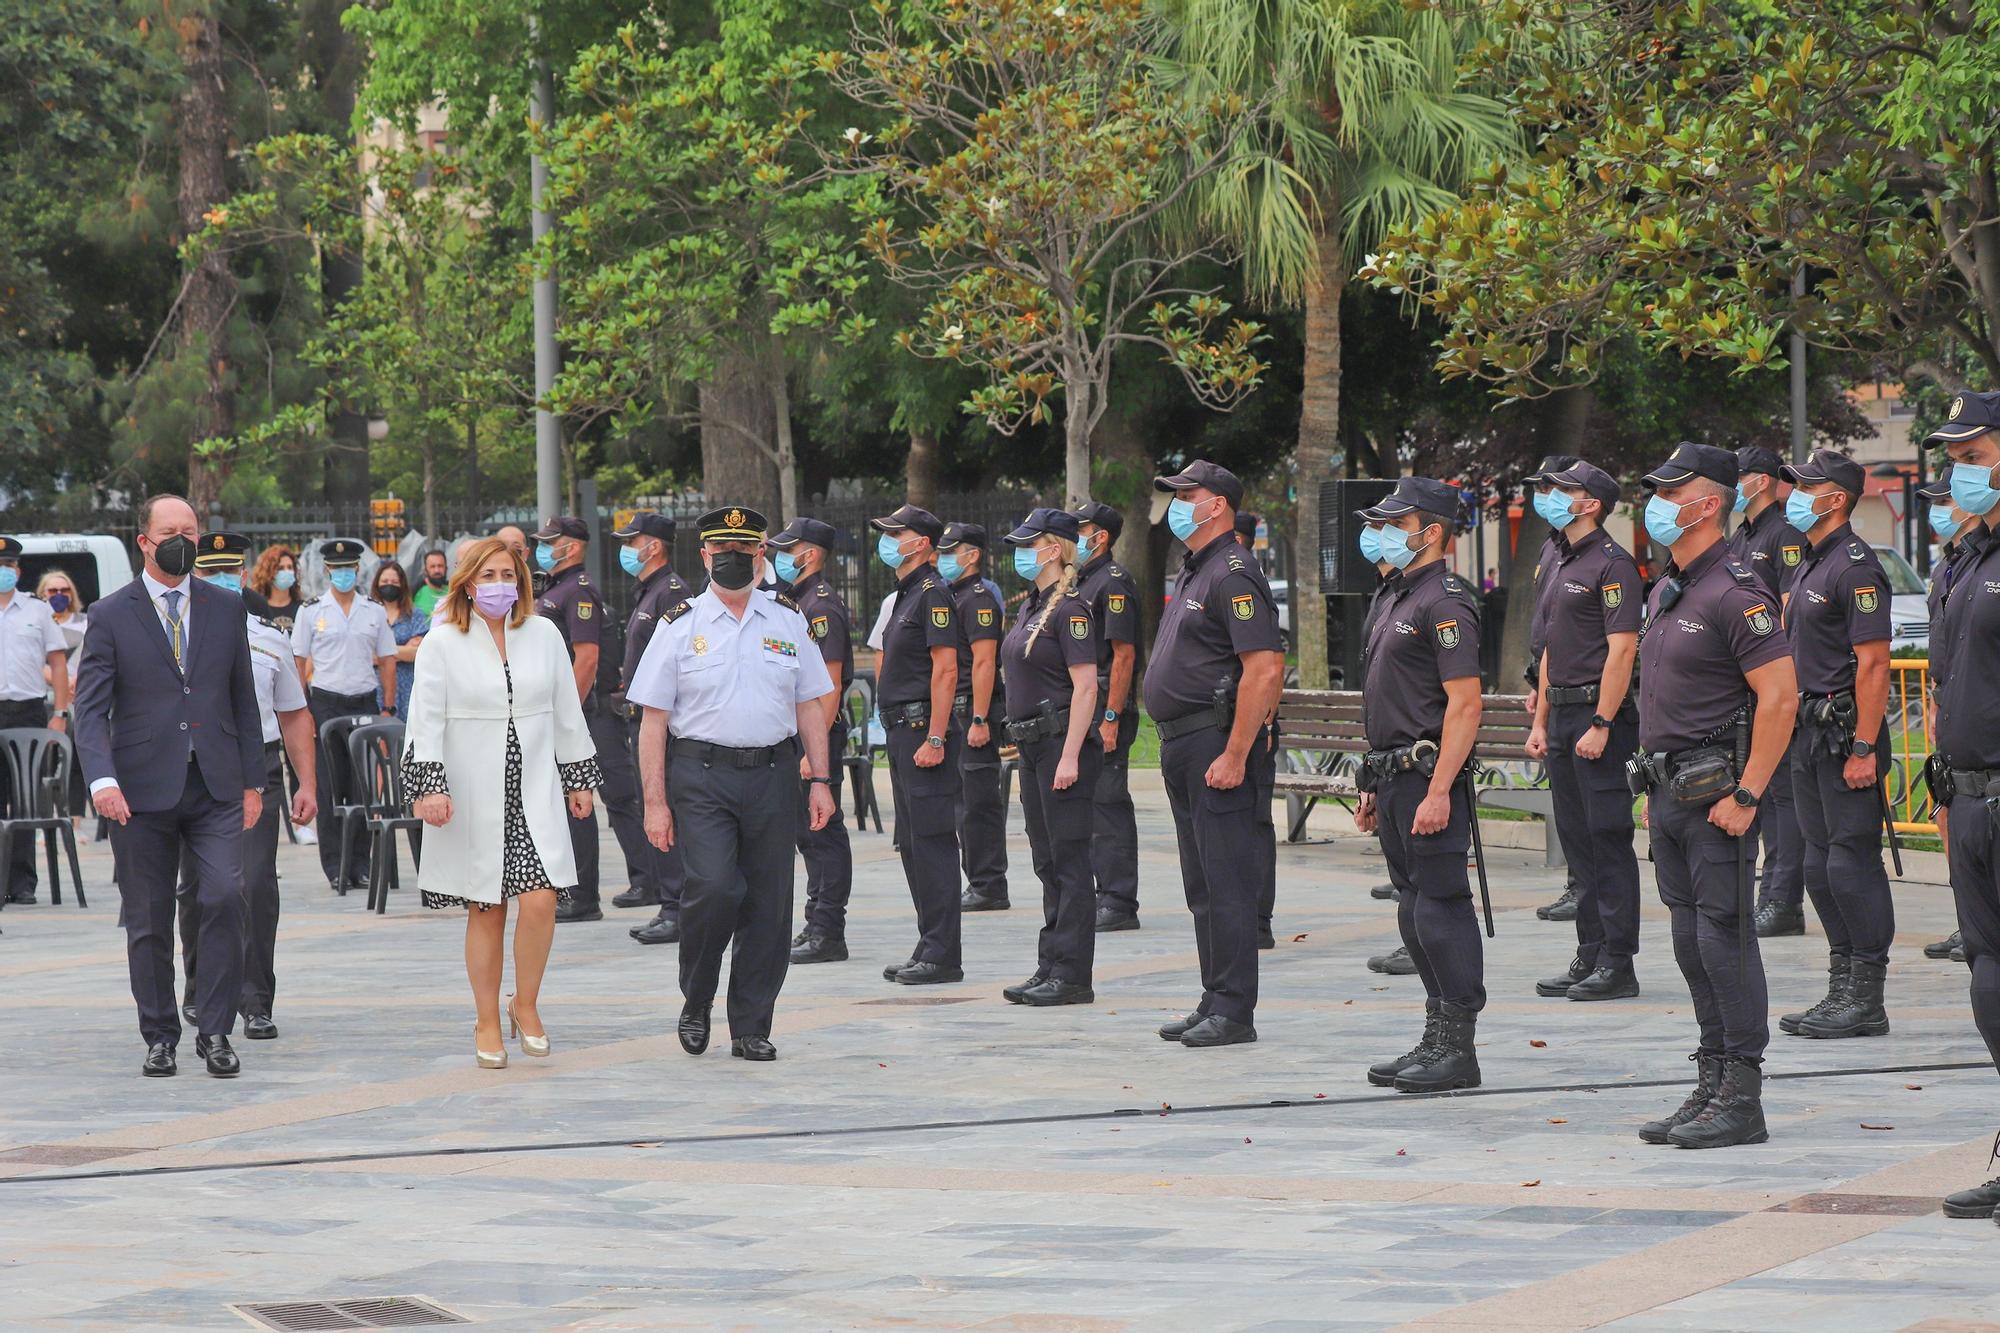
[99, 564]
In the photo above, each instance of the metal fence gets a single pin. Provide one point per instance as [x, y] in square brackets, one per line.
[1909, 744]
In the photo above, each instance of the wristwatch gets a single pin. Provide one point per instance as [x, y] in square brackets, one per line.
[935, 742]
[1596, 722]
[1110, 715]
[1860, 749]
[978, 721]
[824, 782]
[1744, 796]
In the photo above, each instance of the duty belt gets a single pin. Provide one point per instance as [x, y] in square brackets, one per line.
[1571, 694]
[1418, 758]
[1655, 768]
[1038, 726]
[1827, 710]
[735, 756]
[1976, 782]
[1221, 713]
[916, 715]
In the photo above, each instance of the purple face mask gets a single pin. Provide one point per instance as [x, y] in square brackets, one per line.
[495, 600]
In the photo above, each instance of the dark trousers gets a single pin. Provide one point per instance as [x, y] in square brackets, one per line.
[21, 713]
[325, 704]
[735, 828]
[926, 805]
[260, 901]
[148, 849]
[1267, 829]
[1593, 809]
[1434, 910]
[1975, 889]
[982, 825]
[1842, 832]
[1784, 878]
[665, 871]
[620, 798]
[1114, 844]
[1221, 866]
[1695, 865]
[1059, 845]
[828, 857]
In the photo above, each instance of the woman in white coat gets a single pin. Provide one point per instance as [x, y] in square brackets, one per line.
[497, 744]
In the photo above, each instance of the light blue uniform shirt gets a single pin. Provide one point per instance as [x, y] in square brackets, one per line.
[731, 682]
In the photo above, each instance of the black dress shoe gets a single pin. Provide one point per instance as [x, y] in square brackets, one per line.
[1774, 918]
[636, 897]
[1943, 947]
[189, 1014]
[820, 949]
[159, 1061]
[694, 1028]
[1383, 892]
[1215, 1030]
[1555, 987]
[259, 1027]
[1562, 909]
[929, 974]
[1055, 991]
[25, 897]
[572, 911]
[1607, 983]
[1177, 1029]
[1979, 1201]
[752, 1048]
[1265, 939]
[215, 1052]
[662, 929]
[1115, 918]
[979, 902]
[1396, 963]
[1013, 994]
[894, 970]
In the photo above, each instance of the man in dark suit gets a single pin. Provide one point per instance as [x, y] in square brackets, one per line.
[167, 723]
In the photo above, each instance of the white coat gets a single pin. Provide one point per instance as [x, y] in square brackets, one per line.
[458, 717]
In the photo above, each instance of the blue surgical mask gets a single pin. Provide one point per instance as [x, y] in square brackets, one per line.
[1396, 546]
[890, 551]
[1181, 520]
[951, 567]
[1083, 549]
[1553, 506]
[1741, 502]
[10, 578]
[1799, 511]
[1663, 521]
[1026, 564]
[1972, 488]
[545, 556]
[1942, 523]
[343, 580]
[285, 578]
[629, 561]
[1371, 543]
[785, 567]
[233, 582]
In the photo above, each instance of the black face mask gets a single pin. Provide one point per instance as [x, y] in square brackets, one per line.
[732, 569]
[436, 580]
[174, 556]
[389, 592]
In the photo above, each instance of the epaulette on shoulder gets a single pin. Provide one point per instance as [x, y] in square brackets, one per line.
[267, 622]
[674, 612]
[1454, 584]
[1857, 550]
[929, 583]
[784, 600]
[1118, 571]
[1235, 562]
[1737, 571]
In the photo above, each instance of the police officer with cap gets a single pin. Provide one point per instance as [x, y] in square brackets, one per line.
[288, 729]
[1966, 645]
[1217, 668]
[1717, 697]
[1420, 674]
[917, 682]
[647, 555]
[1267, 894]
[1113, 599]
[572, 602]
[1838, 619]
[1587, 725]
[733, 676]
[982, 828]
[1397, 962]
[30, 641]
[801, 553]
[1960, 535]
[1546, 562]
[1773, 550]
[344, 651]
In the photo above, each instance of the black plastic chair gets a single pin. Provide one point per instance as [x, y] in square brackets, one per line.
[375, 752]
[857, 703]
[38, 766]
[343, 784]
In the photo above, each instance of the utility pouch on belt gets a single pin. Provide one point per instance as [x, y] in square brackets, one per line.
[1702, 777]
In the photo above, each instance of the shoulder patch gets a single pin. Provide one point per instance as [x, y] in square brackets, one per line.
[941, 617]
[1866, 600]
[985, 616]
[1079, 627]
[1116, 602]
[1760, 620]
[1613, 595]
[818, 627]
[1791, 554]
[1447, 633]
[584, 610]
[1243, 605]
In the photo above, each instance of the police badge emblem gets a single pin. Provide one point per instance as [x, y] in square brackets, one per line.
[1957, 406]
[701, 645]
[1079, 627]
[1614, 596]
[734, 518]
[818, 627]
[1117, 603]
[985, 617]
[1447, 632]
[1792, 554]
[1759, 617]
[1865, 599]
[1243, 605]
[584, 609]
[941, 617]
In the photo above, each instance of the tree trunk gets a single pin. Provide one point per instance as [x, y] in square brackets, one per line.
[201, 128]
[472, 456]
[430, 490]
[336, 67]
[1123, 442]
[1318, 446]
[788, 461]
[1079, 399]
[1560, 430]
[920, 470]
[735, 415]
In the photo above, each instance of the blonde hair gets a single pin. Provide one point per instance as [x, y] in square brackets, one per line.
[455, 607]
[1064, 586]
[42, 585]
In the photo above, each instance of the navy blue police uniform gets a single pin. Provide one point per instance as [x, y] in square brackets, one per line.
[982, 824]
[1547, 560]
[663, 875]
[1113, 598]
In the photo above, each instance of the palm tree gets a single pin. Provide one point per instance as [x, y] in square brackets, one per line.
[1371, 124]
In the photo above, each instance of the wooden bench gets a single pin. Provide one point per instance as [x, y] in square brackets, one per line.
[1320, 742]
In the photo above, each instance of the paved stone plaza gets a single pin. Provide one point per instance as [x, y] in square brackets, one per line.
[938, 1159]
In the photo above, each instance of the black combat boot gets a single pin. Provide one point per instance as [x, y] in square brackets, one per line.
[1396, 963]
[1562, 909]
[1558, 986]
[1734, 1115]
[1448, 1061]
[1708, 1077]
[1861, 1014]
[1979, 1201]
[1837, 965]
[1774, 918]
[1943, 947]
[1383, 1074]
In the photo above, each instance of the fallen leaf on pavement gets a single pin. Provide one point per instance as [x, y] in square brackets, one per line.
[1914, 1087]
[1347, 1002]
[1536, 1043]
[1402, 1152]
[1297, 938]
[1557, 1120]
[1529, 1184]
[1866, 1125]
[1246, 1140]
[1319, 1096]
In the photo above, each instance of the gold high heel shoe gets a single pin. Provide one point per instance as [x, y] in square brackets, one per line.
[488, 1059]
[536, 1046]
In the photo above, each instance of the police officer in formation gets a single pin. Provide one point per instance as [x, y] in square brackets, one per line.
[29, 642]
[1050, 667]
[1212, 687]
[647, 555]
[1113, 599]
[1587, 725]
[982, 828]
[571, 601]
[1267, 892]
[1960, 535]
[1420, 673]
[287, 729]
[1397, 962]
[1717, 697]
[917, 684]
[344, 651]
[1553, 546]
[1772, 549]
[1838, 618]
[801, 553]
[733, 676]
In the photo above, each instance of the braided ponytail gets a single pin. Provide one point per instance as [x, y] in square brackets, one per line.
[1064, 586]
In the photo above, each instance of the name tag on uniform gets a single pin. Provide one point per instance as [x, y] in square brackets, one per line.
[782, 647]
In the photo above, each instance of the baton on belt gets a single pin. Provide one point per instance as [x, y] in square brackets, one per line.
[1889, 823]
[1745, 908]
[1478, 848]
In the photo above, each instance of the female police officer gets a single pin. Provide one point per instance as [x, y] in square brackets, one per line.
[1050, 668]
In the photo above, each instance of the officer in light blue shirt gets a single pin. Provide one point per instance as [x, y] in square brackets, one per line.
[737, 679]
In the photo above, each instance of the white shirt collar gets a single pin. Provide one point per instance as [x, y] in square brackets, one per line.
[156, 589]
[761, 599]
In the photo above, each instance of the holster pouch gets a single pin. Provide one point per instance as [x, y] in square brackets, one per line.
[1702, 777]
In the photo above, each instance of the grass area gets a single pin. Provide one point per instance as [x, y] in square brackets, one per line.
[1145, 745]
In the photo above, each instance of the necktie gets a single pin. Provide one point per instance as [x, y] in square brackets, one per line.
[173, 600]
